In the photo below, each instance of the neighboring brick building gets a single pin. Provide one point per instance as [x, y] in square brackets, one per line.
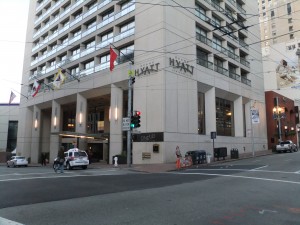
[288, 120]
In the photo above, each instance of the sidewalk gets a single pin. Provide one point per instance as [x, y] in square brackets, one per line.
[163, 167]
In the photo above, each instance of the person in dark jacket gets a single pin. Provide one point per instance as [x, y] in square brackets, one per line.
[61, 157]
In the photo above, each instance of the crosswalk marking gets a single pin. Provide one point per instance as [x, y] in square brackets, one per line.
[4, 221]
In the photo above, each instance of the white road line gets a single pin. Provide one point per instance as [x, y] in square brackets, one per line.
[243, 177]
[258, 168]
[4, 221]
[297, 171]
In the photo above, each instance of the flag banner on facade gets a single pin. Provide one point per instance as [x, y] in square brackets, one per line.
[12, 97]
[59, 79]
[255, 115]
[35, 88]
[113, 56]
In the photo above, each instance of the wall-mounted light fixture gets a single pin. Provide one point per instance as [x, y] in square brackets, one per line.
[36, 120]
[292, 128]
[55, 118]
[80, 115]
[109, 113]
[116, 111]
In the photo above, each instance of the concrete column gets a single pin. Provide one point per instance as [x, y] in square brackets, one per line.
[116, 105]
[36, 133]
[210, 110]
[54, 146]
[81, 115]
[56, 117]
[238, 117]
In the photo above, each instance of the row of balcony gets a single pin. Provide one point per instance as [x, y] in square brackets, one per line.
[90, 50]
[221, 49]
[88, 31]
[82, 73]
[217, 6]
[223, 71]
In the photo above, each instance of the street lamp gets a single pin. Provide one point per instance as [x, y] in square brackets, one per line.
[278, 113]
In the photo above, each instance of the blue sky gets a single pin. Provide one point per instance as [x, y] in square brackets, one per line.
[13, 24]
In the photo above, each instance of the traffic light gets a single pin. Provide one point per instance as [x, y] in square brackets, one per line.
[132, 80]
[135, 120]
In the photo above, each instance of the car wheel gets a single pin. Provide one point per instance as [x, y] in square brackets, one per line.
[13, 165]
[7, 165]
[68, 166]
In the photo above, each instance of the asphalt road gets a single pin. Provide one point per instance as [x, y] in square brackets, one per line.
[263, 190]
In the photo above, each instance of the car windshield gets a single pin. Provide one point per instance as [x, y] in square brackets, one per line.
[79, 154]
[284, 142]
[20, 157]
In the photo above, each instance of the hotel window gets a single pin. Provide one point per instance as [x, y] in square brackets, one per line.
[89, 64]
[90, 44]
[91, 24]
[91, 5]
[44, 52]
[64, 40]
[217, 43]
[201, 113]
[126, 54]
[216, 22]
[104, 59]
[76, 51]
[52, 63]
[201, 34]
[127, 4]
[63, 57]
[291, 36]
[202, 58]
[200, 12]
[107, 15]
[75, 70]
[272, 13]
[107, 36]
[290, 28]
[290, 20]
[43, 68]
[127, 26]
[76, 33]
[224, 117]
[77, 14]
[54, 30]
[289, 8]
[65, 23]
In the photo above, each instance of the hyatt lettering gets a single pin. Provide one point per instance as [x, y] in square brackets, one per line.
[147, 69]
[181, 65]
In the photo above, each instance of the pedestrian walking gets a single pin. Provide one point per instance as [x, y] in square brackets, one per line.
[178, 155]
[61, 158]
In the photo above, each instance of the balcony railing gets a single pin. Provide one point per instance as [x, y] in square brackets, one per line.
[87, 51]
[202, 16]
[221, 70]
[219, 47]
[239, 7]
[245, 62]
[245, 81]
[243, 44]
[89, 31]
[234, 76]
[233, 56]
[124, 34]
[203, 39]
[125, 11]
[205, 63]
[104, 43]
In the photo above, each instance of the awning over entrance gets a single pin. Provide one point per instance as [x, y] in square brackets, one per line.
[102, 136]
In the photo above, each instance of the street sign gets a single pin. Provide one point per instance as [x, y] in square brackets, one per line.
[126, 124]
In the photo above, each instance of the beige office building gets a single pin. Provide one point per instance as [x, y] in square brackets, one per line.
[279, 21]
[192, 69]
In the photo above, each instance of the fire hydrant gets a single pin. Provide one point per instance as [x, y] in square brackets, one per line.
[116, 161]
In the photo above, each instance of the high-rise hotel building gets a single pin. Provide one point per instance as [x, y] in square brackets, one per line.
[197, 67]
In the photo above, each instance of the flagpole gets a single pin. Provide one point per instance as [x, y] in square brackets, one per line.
[20, 94]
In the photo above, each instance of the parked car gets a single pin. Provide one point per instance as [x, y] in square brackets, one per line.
[285, 146]
[76, 158]
[17, 161]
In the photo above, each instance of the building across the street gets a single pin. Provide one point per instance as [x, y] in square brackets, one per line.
[9, 116]
[193, 67]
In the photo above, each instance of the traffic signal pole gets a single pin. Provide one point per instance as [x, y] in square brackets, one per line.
[129, 113]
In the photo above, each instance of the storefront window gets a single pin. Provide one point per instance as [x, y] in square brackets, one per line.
[224, 117]
[201, 113]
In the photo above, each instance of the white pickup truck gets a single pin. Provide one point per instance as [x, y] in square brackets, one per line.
[285, 146]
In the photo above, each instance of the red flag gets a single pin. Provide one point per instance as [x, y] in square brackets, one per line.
[113, 57]
[35, 88]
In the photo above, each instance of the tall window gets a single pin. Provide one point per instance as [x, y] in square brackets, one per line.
[12, 135]
[224, 117]
[289, 8]
[201, 113]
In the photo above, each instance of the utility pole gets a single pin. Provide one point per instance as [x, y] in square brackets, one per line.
[129, 114]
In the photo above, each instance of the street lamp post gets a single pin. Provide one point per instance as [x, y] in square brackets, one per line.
[278, 113]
